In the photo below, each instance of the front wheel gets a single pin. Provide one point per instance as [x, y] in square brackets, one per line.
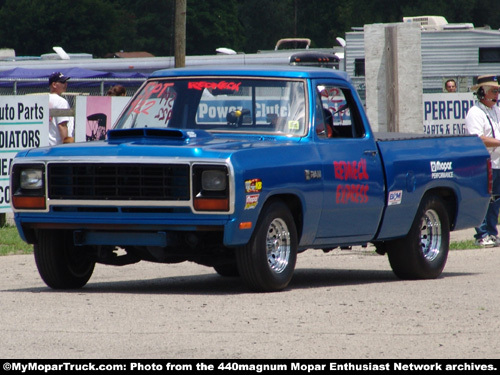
[60, 264]
[422, 254]
[267, 262]
[227, 270]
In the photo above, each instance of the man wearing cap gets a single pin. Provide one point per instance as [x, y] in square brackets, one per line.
[483, 119]
[60, 128]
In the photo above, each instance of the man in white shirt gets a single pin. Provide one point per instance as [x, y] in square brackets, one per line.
[60, 128]
[483, 119]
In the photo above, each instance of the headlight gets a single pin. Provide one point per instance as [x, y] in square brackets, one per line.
[31, 179]
[214, 180]
[28, 186]
[210, 188]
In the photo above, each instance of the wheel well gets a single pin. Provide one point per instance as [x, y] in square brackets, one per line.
[449, 199]
[29, 234]
[295, 206]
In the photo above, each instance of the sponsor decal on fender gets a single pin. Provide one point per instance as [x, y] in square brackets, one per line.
[251, 201]
[253, 186]
[312, 175]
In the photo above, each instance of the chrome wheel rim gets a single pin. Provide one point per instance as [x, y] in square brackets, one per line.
[430, 235]
[278, 245]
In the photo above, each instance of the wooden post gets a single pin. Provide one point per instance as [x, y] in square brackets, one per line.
[392, 78]
[180, 33]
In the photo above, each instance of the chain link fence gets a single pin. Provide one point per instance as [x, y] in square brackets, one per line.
[76, 86]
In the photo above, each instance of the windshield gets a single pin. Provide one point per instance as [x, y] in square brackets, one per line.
[230, 104]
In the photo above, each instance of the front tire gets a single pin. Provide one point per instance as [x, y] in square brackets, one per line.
[227, 270]
[423, 253]
[62, 265]
[267, 262]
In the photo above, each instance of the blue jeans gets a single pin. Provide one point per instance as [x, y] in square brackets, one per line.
[489, 225]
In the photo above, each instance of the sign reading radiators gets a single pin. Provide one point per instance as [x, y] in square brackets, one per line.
[24, 124]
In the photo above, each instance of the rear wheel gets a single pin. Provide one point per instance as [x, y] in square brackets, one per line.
[60, 264]
[267, 262]
[423, 253]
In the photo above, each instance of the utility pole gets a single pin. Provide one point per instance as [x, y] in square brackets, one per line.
[180, 33]
[295, 18]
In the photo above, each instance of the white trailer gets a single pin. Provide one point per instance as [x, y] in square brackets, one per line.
[458, 51]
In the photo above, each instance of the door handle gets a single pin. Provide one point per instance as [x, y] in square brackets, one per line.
[371, 153]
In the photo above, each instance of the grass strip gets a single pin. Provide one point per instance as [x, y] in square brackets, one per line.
[11, 243]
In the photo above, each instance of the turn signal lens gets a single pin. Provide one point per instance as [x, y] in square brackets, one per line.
[246, 225]
[211, 204]
[26, 202]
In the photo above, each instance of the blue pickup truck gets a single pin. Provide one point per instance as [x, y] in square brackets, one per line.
[241, 169]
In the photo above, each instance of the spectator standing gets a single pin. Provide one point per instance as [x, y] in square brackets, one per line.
[61, 128]
[483, 119]
[117, 90]
[450, 85]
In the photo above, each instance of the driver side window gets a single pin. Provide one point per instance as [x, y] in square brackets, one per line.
[336, 105]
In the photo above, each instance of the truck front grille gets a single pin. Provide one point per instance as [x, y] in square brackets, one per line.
[108, 181]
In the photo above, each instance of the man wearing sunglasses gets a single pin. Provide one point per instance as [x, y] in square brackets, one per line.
[483, 119]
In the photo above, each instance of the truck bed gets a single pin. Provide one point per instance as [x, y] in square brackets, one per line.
[390, 136]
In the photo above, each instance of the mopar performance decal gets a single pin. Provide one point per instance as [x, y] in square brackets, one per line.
[441, 169]
[354, 171]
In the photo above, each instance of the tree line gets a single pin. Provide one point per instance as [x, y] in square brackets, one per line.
[99, 27]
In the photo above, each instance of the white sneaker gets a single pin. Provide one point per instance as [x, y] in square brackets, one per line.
[487, 241]
[495, 239]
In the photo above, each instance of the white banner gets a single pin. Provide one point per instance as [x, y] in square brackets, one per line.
[23, 125]
[444, 114]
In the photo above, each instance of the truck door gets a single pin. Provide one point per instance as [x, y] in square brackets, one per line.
[352, 171]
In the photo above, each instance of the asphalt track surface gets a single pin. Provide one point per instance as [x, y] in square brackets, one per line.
[344, 304]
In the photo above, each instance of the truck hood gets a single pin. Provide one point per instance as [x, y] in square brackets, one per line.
[157, 142]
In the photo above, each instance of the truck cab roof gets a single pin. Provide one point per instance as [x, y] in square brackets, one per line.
[254, 71]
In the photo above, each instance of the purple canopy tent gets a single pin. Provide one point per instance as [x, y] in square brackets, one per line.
[89, 77]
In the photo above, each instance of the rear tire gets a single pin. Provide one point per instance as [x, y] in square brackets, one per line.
[423, 253]
[60, 264]
[267, 262]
